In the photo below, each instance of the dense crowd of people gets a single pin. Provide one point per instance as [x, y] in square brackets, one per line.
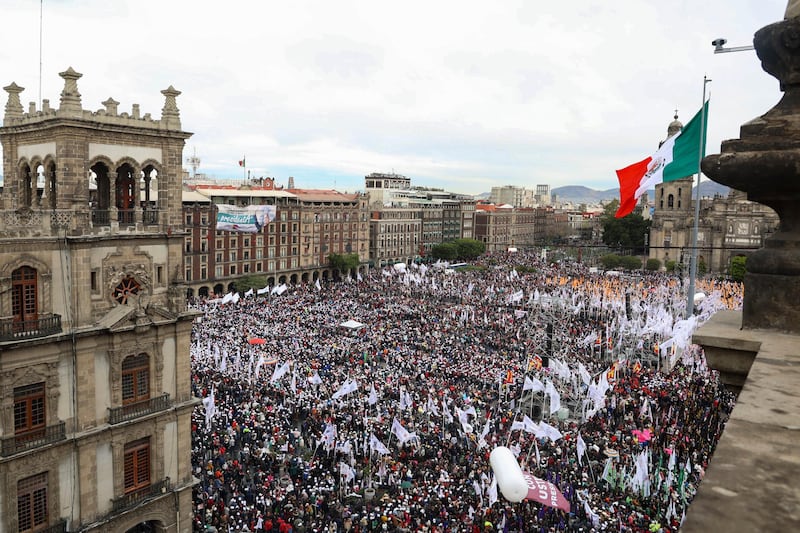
[387, 423]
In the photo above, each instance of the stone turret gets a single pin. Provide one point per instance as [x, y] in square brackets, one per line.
[70, 97]
[765, 163]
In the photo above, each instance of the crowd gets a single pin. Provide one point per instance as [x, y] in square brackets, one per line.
[387, 425]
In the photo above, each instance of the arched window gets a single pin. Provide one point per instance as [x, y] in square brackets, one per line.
[135, 379]
[24, 305]
[679, 192]
[670, 201]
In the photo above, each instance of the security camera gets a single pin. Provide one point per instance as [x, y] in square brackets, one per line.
[719, 43]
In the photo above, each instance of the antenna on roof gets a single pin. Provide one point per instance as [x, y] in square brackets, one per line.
[41, 14]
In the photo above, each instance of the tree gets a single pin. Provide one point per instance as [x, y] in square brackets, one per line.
[630, 262]
[653, 264]
[626, 232]
[610, 261]
[447, 251]
[738, 269]
[246, 283]
[670, 265]
[343, 263]
[469, 248]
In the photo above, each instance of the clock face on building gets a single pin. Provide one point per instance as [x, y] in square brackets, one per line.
[742, 228]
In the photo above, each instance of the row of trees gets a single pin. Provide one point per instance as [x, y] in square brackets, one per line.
[458, 250]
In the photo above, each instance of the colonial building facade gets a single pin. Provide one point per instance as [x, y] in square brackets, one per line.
[94, 335]
[407, 222]
[309, 225]
[728, 226]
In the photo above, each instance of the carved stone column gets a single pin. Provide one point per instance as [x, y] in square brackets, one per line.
[765, 163]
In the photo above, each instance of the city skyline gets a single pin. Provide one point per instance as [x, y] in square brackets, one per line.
[461, 96]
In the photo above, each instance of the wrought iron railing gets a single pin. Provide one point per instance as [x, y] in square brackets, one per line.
[13, 329]
[131, 499]
[150, 216]
[126, 217]
[130, 411]
[33, 439]
[101, 217]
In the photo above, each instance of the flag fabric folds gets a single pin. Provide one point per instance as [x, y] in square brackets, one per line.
[678, 157]
[377, 446]
[242, 162]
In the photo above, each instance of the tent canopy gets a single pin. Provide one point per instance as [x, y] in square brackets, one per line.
[352, 324]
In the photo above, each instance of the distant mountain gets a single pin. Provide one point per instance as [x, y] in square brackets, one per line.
[579, 194]
[583, 195]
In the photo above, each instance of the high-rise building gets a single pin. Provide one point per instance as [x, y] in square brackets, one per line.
[94, 339]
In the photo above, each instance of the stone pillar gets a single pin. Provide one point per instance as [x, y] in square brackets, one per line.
[70, 97]
[13, 105]
[765, 163]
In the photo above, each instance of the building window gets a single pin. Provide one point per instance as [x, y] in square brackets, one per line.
[233, 270]
[32, 503]
[188, 276]
[137, 465]
[246, 268]
[93, 280]
[218, 271]
[126, 288]
[24, 304]
[29, 410]
[670, 201]
[203, 273]
[135, 378]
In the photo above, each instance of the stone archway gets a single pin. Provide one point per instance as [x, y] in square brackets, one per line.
[203, 292]
[293, 279]
[150, 526]
[304, 277]
[219, 288]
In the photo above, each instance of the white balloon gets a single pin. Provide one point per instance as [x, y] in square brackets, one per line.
[508, 474]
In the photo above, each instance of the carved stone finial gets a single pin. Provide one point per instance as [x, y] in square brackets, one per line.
[170, 114]
[13, 105]
[111, 106]
[70, 97]
[764, 162]
[792, 9]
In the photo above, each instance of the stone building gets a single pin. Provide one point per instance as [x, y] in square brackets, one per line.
[728, 226]
[94, 335]
[422, 218]
[309, 225]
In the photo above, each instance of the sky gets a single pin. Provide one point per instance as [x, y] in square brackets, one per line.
[462, 95]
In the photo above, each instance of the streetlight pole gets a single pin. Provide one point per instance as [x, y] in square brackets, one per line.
[701, 153]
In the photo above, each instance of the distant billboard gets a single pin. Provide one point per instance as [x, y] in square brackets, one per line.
[245, 219]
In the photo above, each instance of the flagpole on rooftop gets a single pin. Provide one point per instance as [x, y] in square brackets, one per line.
[701, 152]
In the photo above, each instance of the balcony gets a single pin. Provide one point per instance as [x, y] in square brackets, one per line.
[117, 415]
[14, 330]
[135, 498]
[101, 217]
[32, 439]
[126, 217]
[150, 217]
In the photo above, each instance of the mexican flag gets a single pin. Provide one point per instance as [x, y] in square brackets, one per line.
[677, 158]
[242, 162]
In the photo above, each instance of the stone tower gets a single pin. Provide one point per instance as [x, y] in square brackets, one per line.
[94, 334]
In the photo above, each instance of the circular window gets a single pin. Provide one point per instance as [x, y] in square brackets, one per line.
[126, 288]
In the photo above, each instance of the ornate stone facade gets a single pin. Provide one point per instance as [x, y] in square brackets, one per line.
[94, 329]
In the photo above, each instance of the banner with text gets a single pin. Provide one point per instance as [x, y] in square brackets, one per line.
[246, 219]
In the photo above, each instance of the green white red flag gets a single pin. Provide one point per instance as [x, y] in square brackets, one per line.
[677, 158]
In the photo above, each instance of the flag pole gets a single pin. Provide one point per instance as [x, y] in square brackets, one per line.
[701, 152]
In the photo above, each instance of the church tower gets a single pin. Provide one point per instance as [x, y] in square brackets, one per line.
[94, 334]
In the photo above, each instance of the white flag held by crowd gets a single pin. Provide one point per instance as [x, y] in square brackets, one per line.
[400, 432]
[279, 372]
[346, 388]
[532, 384]
[376, 445]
